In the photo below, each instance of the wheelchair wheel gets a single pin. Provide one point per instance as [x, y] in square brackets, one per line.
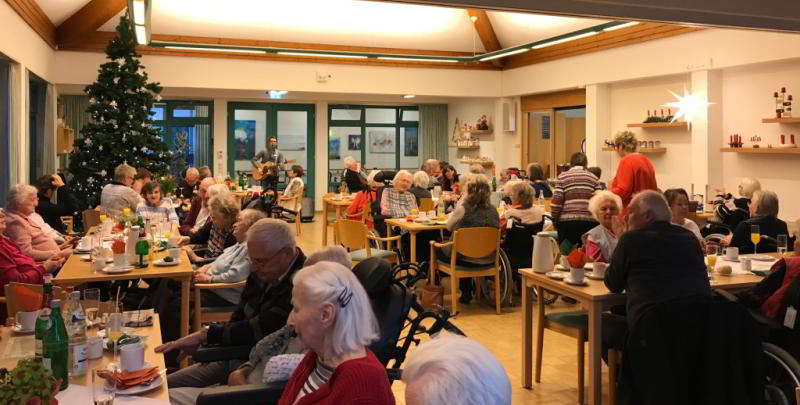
[782, 373]
[505, 277]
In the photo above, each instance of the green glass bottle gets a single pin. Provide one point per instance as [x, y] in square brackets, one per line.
[43, 320]
[142, 249]
[55, 354]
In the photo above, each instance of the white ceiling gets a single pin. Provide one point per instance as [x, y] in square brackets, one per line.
[338, 22]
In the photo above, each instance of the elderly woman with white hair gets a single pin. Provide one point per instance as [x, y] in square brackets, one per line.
[397, 202]
[352, 175]
[336, 254]
[601, 240]
[119, 194]
[29, 237]
[452, 369]
[522, 207]
[217, 234]
[729, 209]
[420, 186]
[332, 317]
[764, 214]
[364, 198]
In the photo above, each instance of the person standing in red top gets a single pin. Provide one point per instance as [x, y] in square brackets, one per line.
[635, 173]
[15, 267]
[332, 316]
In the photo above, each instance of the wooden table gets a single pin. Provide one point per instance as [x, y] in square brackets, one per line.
[413, 228]
[327, 203]
[153, 334]
[76, 271]
[595, 298]
[701, 217]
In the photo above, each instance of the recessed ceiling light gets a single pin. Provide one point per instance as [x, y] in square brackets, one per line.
[504, 54]
[198, 48]
[324, 55]
[412, 59]
[626, 25]
[409, 96]
[562, 40]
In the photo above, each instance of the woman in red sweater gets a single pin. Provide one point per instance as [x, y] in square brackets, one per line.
[15, 267]
[332, 316]
[635, 173]
[364, 198]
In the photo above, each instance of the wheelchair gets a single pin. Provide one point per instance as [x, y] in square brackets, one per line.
[392, 302]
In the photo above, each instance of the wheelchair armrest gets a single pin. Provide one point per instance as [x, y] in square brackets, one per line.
[255, 394]
[760, 318]
[207, 354]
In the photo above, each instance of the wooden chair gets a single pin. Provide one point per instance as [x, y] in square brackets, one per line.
[66, 220]
[473, 243]
[91, 218]
[298, 207]
[12, 290]
[574, 324]
[355, 237]
[426, 204]
[211, 314]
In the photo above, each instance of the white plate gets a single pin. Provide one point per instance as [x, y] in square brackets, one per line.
[126, 330]
[139, 389]
[82, 251]
[88, 258]
[142, 339]
[162, 263]
[587, 266]
[111, 269]
[570, 282]
[440, 222]
[555, 275]
[763, 258]
[18, 329]
[592, 276]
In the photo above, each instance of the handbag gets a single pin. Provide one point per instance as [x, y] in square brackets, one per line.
[432, 291]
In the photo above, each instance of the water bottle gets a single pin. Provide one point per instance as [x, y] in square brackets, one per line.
[55, 353]
[76, 330]
[541, 199]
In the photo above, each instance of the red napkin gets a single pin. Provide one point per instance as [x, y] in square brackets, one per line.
[128, 379]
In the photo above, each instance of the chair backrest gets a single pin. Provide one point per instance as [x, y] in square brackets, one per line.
[519, 239]
[91, 218]
[352, 234]
[476, 242]
[67, 220]
[426, 204]
[17, 292]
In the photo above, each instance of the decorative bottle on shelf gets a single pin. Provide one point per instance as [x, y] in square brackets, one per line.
[787, 107]
[779, 102]
[43, 320]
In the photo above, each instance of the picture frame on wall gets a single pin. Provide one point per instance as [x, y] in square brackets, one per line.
[244, 139]
[353, 142]
[334, 145]
[411, 142]
[382, 140]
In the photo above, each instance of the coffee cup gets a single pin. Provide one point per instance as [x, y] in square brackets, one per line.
[84, 244]
[431, 214]
[131, 356]
[173, 241]
[599, 269]
[747, 265]
[94, 347]
[120, 259]
[564, 262]
[423, 214]
[175, 254]
[98, 264]
[731, 253]
[27, 320]
[576, 275]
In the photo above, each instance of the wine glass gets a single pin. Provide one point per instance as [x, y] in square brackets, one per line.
[712, 252]
[755, 237]
[91, 302]
[103, 390]
[783, 244]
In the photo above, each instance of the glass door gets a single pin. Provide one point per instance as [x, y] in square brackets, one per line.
[570, 132]
[540, 141]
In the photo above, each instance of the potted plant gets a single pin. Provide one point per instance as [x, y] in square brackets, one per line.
[30, 383]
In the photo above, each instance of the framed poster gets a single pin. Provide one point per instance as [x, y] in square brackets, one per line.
[244, 135]
[353, 142]
[546, 127]
[334, 144]
[411, 142]
[382, 140]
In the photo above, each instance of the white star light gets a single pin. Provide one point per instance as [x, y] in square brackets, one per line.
[688, 105]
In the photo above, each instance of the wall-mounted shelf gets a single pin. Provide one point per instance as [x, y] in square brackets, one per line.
[773, 151]
[676, 124]
[478, 162]
[478, 131]
[465, 147]
[641, 150]
[793, 120]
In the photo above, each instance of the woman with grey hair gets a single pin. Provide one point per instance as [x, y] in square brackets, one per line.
[332, 317]
[336, 254]
[420, 188]
[217, 234]
[452, 369]
[764, 214]
[29, 237]
[522, 207]
[352, 175]
[729, 209]
[601, 240]
[397, 202]
[119, 194]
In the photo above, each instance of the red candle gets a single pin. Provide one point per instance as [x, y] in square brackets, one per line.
[783, 139]
[792, 139]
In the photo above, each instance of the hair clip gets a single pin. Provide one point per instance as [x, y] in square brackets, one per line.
[344, 297]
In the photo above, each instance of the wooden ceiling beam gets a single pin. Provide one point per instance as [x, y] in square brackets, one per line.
[87, 20]
[485, 32]
[31, 13]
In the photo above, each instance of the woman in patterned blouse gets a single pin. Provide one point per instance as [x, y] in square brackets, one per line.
[397, 202]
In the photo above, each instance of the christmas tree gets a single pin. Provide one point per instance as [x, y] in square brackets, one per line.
[120, 130]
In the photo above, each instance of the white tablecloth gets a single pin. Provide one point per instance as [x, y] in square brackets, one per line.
[736, 267]
[79, 394]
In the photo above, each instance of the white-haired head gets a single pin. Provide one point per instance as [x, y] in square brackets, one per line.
[452, 369]
[217, 189]
[336, 254]
[271, 235]
[349, 162]
[765, 203]
[601, 197]
[421, 179]
[18, 194]
[371, 178]
[477, 169]
[647, 207]
[748, 186]
[333, 286]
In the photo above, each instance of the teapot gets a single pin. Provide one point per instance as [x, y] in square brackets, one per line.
[545, 252]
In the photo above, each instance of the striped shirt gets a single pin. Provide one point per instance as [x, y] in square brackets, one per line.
[165, 211]
[319, 377]
[571, 196]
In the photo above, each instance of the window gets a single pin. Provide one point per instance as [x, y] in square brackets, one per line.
[380, 137]
[187, 126]
[37, 89]
[5, 129]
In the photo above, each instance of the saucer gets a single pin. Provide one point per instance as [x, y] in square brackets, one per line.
[18, 330]
[111, 269]
[555, 275]
[570, 282]
[592, 276]
[162, 263]
[763, 258]
[88, 258]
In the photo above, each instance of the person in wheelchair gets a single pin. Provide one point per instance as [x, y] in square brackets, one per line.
[522, 207]
[764, 213]
[264, 306]
[476, 211]
[332, 316]
[601, 240]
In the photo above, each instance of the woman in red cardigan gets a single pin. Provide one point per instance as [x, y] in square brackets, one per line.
[15, 267]
[332, 316]
[635, 173]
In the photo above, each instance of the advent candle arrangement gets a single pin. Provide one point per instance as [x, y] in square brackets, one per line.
[735, 141]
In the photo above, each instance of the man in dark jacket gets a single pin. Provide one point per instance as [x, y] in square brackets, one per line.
[264, 308]
[52, 213]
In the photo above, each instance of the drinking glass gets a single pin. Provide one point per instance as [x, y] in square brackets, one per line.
[102, 390]
[91, 303]
[712, 252]
[755, 236]
[783, 244]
